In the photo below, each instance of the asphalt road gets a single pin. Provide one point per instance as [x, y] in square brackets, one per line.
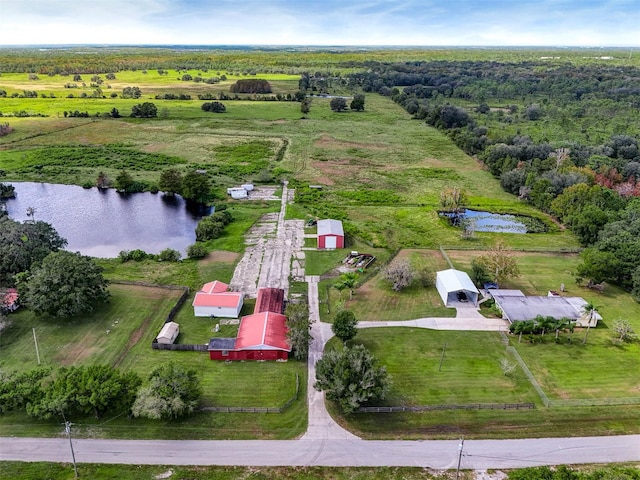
[437, 454]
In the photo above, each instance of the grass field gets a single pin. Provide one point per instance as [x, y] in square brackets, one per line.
[121, 335]
[470, 370]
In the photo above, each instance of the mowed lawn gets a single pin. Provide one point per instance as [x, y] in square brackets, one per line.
[570, 369]
[133, 319]
[470, 370]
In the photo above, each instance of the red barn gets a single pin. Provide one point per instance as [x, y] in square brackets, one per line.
[261, 336]
[330, 234]
[269, 300]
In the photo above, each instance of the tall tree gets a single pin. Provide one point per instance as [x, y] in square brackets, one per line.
[298, 329]
[170, 181]
[358, 102]
[345, 325]
[338, 104]
[24, 244]
[500, 262]
[172, 391]
[195, 186]
[351, 377]
[400, 274]
[65, 284]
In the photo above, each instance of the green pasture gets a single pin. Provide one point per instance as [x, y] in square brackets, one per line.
[470, 370]
[471, 373]
[381, 170]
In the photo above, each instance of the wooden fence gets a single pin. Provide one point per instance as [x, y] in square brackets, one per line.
[281, 409]
[200, 347]
[471, 406]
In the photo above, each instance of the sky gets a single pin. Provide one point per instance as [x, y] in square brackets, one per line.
[589, 23]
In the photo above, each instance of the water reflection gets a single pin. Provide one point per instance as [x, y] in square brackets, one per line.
[101, 223]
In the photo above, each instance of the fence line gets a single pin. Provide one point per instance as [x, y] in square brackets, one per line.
[281, 409]
[471, 406]
[446, 257]
[199, 347]
[515, 249]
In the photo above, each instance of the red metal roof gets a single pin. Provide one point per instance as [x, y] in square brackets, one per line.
[227, 299]
[214, 287]
[269, 300]
[263, 331]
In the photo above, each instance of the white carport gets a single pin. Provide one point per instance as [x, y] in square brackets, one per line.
[450, 282]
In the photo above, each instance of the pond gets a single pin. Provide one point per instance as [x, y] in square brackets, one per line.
[496, 222]
[101, 223]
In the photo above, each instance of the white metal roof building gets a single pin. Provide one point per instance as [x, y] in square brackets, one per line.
[450, 282]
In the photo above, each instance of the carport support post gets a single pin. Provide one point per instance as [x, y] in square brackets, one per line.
[444, 349]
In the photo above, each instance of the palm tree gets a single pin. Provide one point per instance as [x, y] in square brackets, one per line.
[350, 280]
[340, 286]
[590, 310]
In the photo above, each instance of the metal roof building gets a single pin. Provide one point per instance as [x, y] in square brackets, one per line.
[516, 306]
[330, 234]
[450, 282]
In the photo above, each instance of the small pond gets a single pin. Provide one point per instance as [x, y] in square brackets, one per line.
[101, 223]
[496, 222]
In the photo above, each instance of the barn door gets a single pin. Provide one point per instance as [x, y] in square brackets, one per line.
[330, 242]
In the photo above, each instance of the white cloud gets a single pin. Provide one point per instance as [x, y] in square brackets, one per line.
[358, 22]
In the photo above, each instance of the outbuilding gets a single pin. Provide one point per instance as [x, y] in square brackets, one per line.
[215, 300]
[455, 287]
[516, 306]
[169, 333]
[330, 234]
[261, 336]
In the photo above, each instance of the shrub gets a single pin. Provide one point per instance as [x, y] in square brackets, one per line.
[169, 255]
[197, 250]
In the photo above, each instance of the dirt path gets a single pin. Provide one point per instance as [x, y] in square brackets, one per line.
[272, 243]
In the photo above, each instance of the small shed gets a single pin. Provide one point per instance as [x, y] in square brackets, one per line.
[330, 234]
[169, 333]
[214, 300]
[237, 193]
[454, 283]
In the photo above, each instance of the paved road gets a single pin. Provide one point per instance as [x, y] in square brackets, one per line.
[437, 454]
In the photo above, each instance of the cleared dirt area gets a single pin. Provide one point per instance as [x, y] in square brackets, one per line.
[219, 256]
[272, 243]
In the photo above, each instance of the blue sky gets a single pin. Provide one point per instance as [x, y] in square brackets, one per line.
[330, 22]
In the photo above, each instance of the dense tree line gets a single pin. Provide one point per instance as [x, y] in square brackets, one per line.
[171, 391]
[251, 85]
[588, 186]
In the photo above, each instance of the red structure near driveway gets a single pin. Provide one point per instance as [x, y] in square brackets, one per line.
[330, 234]
[261, 336]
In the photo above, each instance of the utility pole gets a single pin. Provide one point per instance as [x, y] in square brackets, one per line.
[67, 429]
[444, 349]
[35, 340]
[460, 447]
